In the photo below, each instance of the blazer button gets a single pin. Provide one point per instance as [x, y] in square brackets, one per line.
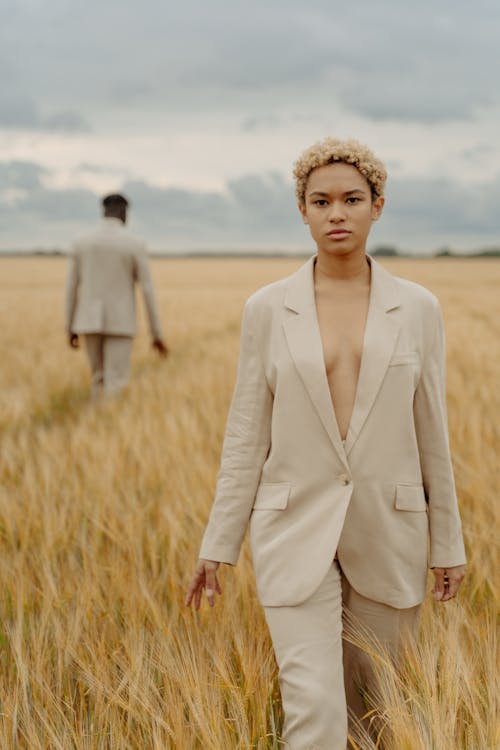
[344, 479]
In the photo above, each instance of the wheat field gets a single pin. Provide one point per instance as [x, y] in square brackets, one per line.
[102, 509]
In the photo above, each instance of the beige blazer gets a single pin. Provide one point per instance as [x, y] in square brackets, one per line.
[104, 267]
[285, 469]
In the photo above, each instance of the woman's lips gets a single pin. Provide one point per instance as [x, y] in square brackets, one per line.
[338, 234]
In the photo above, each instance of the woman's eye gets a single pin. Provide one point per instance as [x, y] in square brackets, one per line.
[320, 202]
[353, 199]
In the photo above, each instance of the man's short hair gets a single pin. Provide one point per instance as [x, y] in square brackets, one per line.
[331, 150]
[114, 201]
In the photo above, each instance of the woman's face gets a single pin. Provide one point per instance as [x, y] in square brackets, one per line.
[339, 209]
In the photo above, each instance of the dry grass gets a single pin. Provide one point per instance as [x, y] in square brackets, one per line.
[102, 510]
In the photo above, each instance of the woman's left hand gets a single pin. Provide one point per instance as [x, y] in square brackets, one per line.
[447, 581]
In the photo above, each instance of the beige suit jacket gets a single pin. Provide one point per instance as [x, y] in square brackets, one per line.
[380, 499]
[104, 267]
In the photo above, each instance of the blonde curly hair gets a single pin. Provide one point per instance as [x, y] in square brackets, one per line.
[331, 150]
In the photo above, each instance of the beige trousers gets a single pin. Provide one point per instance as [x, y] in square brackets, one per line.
[109, 358]
[322, 679]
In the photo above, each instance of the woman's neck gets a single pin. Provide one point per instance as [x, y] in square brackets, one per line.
[343, 268]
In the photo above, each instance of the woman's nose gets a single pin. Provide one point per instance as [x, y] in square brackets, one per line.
[336, 212]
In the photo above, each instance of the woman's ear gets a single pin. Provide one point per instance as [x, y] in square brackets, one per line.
[377, 206]
[303, 212]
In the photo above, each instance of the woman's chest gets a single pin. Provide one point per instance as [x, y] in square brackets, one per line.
[342, 324]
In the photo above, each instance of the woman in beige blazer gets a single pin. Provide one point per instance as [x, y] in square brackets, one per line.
[336, 454]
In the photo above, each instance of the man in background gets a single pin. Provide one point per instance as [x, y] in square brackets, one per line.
[100, 299]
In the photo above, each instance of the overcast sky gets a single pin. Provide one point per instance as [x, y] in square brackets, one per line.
[197, 110]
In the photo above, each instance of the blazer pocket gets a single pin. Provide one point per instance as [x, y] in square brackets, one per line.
[410, 497]
[272, 496]
[405, 358]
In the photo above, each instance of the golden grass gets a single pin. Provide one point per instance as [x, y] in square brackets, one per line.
[102, 511]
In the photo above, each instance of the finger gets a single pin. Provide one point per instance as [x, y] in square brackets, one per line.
[197, 598]
[218, 586]
[453, 584]
[211, 586]
[439, 584]
[189, 595]
[197, 579]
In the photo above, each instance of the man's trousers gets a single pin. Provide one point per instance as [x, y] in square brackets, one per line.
[109, 358]
[321, 677]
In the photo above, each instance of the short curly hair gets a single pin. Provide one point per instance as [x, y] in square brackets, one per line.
[331, 150]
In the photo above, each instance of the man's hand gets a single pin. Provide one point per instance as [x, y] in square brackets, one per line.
[73, 340]
[204, 578]
[160, 346]
[446, 582]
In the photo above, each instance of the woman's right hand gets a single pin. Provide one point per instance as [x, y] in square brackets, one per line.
[204, 578]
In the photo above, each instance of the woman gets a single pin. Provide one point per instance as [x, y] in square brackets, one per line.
[336, 451]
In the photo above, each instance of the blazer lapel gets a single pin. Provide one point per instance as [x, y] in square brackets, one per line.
[304, 342]
[381, 333]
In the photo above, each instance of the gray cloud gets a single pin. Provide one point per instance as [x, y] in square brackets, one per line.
[480, 151]
[426, 213]
[20, 111]
[256, 122]
[66, 121]
[410, 100]
[438, 206]
[421, 62]
[384, 60]
[23, 175]
[101, 169]
[17, 111]
[253, 211]
[131, 90]
[60, 205]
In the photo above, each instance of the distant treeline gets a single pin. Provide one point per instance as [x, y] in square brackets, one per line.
[391, 251]
[387, 251]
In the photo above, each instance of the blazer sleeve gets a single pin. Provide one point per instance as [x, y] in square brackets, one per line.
[245, 448]
[143, 276]
[446, 541]
[71, 294]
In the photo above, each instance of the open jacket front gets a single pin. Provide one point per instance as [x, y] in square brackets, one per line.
[285, 469]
